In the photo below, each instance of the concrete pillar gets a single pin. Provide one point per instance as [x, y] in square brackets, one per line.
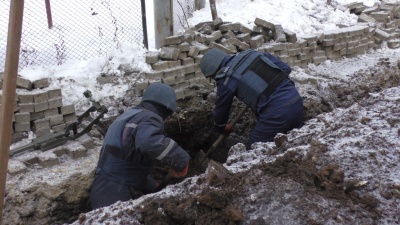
[199, 4]
[163, 21]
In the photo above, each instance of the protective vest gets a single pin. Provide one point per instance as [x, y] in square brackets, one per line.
[112, 165]
[256, 74]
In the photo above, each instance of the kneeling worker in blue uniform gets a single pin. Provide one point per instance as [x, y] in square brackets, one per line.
[262, 82]
[132, 144]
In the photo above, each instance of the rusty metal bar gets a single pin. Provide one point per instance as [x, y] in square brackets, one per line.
[48, 13]
[9, 88]
[144, 25]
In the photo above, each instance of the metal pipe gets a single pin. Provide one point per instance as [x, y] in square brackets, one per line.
[9, 88]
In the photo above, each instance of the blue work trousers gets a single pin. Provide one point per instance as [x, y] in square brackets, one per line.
[281, 119]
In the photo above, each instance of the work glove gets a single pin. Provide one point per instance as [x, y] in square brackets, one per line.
[176, 174]
[228, 129]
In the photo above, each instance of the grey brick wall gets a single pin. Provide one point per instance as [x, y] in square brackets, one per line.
[177, 62]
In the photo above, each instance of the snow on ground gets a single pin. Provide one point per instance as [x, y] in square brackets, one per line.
[299, 16]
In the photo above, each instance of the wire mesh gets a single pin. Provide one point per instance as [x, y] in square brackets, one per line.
[182, 11]
[81, 29]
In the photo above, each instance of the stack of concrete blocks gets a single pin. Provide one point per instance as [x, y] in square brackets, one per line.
[39, 109]
[177, 62]
[384, 18]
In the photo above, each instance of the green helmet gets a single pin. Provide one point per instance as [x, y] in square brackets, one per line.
[162, 94]
[211, 61]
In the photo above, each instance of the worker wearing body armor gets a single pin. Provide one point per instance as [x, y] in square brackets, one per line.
[132, 143]
[262, 82]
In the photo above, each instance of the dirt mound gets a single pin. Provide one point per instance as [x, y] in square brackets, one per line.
[340, 168]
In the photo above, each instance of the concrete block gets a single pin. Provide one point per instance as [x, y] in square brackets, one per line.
[290, 36]
[173, 40]
[244, 29]
[229, 34]
[256, 41]
[200, 38]
[319, 60]
[180, 94]
[188, 68]
[50, 112]
[27, 107]
[182, 55]
[187, 61]
[22, 117]
[55, 103]
[154, 75]
[226, 27]
[279, 34]
[41, 124]
[58, 127]
[41, 83]
[169, 53]
[41, 97]
[193, 51]
[329, 42]
[393, 44]
[55, 93]
[190, 76]
[69, 118]
[169, 81]
[175, 63]
[382, 35]
[41, 106]
[244, 37]
[25, 98]
[48, 159]
[380, 16]
[161, 65]
[180, 78]
[220, 47]
[42, 132]
[172, 72]
[151, 57]
[37, 116]
[188, 36]
[202, 47]
[24, 83]
[23, 126]
[56, 120]
[265, 24]
[213, 36]
[240, 45]
[183, 47]
[16, 167]
[77, 152]
[86, 141]
[365, 18]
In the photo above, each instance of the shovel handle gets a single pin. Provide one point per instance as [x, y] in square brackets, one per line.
[223, 136]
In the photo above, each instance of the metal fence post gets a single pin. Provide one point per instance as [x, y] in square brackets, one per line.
[163, 21]
[144, 24]
[48, 12]
[199, 4]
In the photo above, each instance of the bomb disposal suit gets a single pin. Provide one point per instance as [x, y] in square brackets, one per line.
[132, 143]
[262, 82]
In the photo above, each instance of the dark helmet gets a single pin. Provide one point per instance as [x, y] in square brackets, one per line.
[162, 94]
[211, 61]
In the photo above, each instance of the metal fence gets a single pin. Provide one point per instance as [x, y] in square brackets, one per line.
[57, 31]
[78, 29]
[182, 11]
